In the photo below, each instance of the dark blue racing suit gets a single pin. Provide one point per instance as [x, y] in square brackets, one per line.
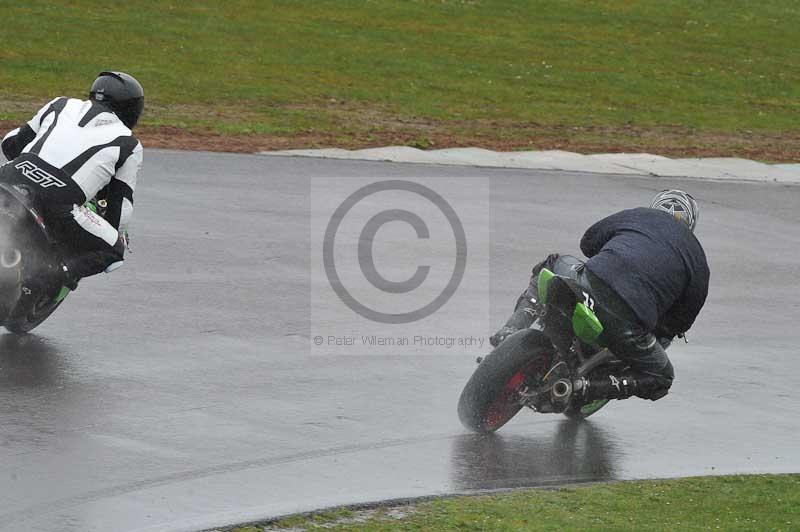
[648, 272]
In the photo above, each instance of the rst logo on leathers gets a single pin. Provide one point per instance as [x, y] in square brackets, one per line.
[39, 176]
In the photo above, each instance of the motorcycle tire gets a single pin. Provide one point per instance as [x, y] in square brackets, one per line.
[582, 411]
[30, 320]
[489, 399]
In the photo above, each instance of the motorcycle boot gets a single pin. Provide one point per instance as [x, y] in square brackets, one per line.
[526, 313]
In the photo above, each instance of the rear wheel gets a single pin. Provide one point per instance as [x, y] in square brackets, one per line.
[491, 396]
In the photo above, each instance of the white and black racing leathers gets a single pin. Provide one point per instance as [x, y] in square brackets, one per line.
[72, 151]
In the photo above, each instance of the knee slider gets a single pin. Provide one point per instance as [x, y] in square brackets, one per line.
[114, 265]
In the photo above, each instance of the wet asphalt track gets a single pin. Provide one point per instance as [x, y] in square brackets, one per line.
[179, 393]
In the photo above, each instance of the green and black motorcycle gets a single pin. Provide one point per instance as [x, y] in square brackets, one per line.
[25, 251]
[544, 367]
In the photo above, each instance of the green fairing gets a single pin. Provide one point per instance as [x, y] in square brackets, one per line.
[63, 293]
[543, 283]
[585, 324]
[594, 406]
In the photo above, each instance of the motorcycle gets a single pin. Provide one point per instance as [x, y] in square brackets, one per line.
[544, 367]
[26, 255]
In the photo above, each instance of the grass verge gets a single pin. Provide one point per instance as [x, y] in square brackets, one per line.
[688, 76]
[757, 503]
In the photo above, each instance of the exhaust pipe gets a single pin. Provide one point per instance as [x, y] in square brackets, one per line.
[10, 258]
[561, 391]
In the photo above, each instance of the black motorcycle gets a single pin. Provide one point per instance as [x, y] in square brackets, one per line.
[26, 258]
[544, 367]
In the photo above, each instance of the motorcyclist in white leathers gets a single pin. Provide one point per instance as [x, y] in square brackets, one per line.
[73, 151]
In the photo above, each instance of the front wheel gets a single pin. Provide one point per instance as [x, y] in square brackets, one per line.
[582, 411]
[491, 396]
[27, 321]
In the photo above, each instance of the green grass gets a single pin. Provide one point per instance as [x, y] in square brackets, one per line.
[345, 67]
[748, 503]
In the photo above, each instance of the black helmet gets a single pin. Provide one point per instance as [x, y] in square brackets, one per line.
[679, 204]
[122, 93]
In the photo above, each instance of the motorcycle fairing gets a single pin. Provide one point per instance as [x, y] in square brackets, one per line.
[585, 324]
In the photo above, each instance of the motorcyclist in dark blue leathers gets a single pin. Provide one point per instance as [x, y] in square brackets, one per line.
[649, 272]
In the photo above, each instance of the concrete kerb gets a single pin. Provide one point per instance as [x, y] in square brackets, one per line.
[715, 168]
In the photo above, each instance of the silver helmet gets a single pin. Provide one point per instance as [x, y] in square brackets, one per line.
[679, 204]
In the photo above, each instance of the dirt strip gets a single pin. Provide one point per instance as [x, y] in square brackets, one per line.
[668, 141]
